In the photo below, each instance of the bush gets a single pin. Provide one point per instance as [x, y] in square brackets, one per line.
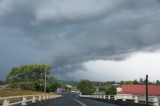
[111, 90]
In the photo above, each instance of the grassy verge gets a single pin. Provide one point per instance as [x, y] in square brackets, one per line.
[14, 92]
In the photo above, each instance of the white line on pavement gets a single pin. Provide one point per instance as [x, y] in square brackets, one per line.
[80, 102]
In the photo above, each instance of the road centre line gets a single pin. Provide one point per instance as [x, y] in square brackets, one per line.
[80, 102]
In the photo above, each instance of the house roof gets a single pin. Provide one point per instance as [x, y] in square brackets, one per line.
[140, 89]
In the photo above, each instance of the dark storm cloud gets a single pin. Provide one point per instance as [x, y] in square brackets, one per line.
[68, 33]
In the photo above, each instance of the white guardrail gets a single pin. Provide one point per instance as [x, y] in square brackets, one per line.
[153, 100]
[12, 100]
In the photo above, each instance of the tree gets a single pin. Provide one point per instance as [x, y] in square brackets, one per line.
[111, 90]
[135, 82]
[2, 82]
[128, 82]
[28, 76]
[158, 82]
[102, 89]
[52, 84]
[86, 87]
[121, 82]
[141, 81]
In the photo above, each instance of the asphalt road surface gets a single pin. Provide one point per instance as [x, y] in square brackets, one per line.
[69, 99]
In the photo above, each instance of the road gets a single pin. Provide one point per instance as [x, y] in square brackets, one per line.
[69, 99]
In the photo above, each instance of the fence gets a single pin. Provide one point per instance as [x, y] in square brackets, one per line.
[153, 100]
[23, 100]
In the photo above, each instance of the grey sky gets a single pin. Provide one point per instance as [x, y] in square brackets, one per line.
[70, 33]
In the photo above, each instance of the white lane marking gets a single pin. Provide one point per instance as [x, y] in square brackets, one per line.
[80, 102]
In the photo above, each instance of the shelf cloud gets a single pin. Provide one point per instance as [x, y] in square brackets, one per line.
[68, 33]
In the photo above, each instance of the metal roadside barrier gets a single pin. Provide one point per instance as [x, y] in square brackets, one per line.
[137, 99]
[8, 101]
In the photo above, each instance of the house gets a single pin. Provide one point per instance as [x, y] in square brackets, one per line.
[153, 90]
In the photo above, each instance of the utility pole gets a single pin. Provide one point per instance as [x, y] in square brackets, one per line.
[45, 82]
[146, 90]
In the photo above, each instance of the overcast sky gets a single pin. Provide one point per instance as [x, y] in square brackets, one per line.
[82, 39]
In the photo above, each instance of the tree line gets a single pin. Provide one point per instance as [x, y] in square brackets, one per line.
[109, 88]
[32, 77]
[140, 81]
